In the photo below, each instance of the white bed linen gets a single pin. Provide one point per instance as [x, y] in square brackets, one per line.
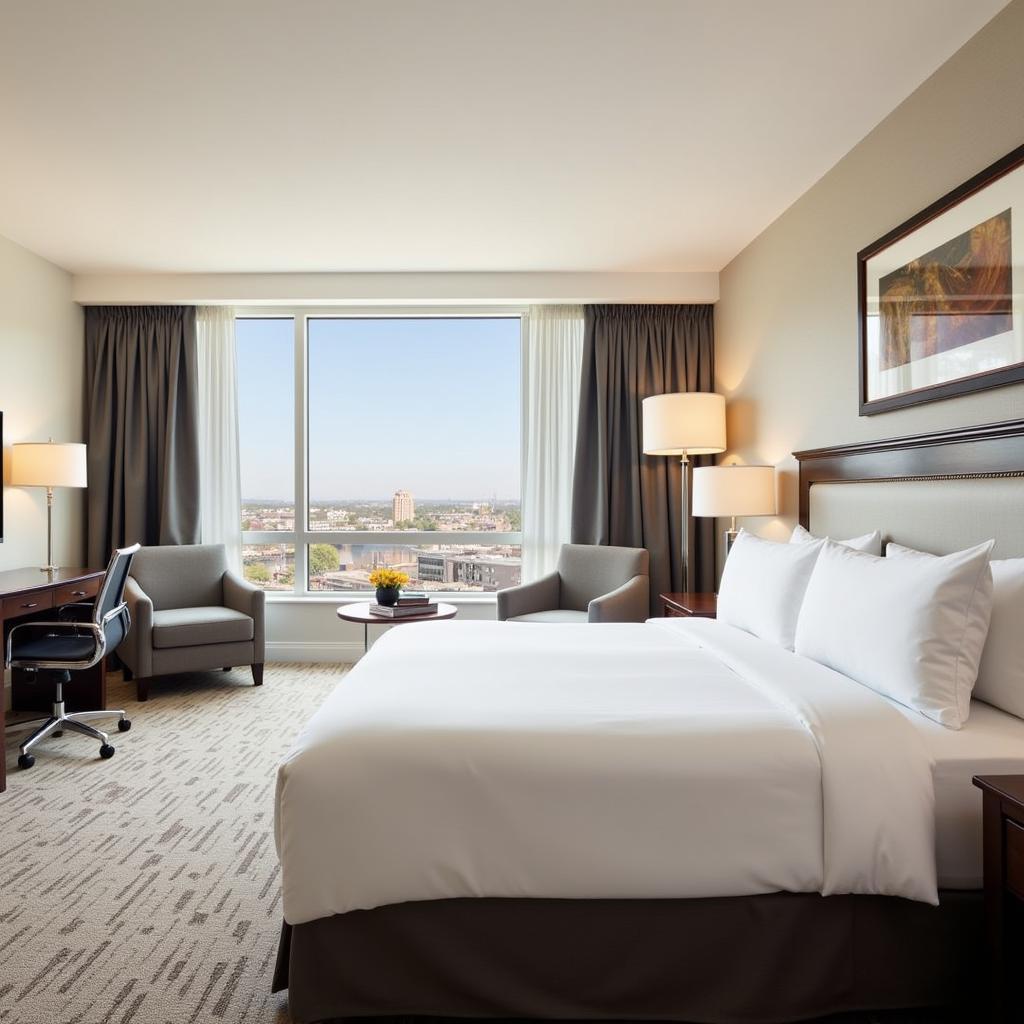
[990, 743]
[598, 761]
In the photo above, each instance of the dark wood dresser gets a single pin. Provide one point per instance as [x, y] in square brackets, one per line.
[1003, 831]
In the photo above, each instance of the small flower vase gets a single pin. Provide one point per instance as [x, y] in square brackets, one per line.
[387, 596]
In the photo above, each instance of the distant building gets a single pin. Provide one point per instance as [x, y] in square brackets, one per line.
[403, 508]
[484, 571]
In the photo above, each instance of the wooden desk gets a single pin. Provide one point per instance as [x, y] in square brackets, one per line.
[28, 594]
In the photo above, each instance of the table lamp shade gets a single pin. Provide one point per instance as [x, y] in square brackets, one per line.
[48, 465]
[685, 423]
[734, 491]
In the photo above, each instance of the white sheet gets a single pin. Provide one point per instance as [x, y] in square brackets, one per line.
[598, 761]
[990, 743]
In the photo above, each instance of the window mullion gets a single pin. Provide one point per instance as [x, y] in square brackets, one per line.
[301, 582]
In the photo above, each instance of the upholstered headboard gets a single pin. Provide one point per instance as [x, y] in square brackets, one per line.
[939, 492]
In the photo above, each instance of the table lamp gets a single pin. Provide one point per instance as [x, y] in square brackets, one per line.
[48, 465]
[732, 491]
[684, 424]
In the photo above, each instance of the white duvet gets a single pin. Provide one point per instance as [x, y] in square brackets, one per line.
[675, 758]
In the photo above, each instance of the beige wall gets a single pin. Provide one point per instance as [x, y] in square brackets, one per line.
[41, 368]
[786, 323]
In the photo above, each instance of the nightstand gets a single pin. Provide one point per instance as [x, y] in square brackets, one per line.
[689, 606]
[1003, 831]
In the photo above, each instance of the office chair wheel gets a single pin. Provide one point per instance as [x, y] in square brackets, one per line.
[124, 725]
[106, 751]
[26, 760]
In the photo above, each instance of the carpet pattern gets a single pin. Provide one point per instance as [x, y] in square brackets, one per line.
[145, 889]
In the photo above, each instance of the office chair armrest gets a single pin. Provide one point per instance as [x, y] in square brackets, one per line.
[241, 596]
[24, 630]
[79, 612]
[539, 596]
[629, 603]
[136, 651]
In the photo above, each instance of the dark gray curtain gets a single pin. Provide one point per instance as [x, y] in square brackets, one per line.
[141, 402]
[620, 495]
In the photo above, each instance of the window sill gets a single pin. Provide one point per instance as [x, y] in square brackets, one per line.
[342, 597]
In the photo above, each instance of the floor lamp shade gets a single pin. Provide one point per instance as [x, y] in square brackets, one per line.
[684, 423]
[48, 465]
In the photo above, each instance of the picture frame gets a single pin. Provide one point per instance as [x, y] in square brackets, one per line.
[940, 299]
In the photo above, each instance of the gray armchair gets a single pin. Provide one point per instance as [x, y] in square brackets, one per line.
[593, 583]
[190, 613]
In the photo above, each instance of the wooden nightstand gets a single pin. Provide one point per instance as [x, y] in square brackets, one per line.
[698, 606]
[1003, 831]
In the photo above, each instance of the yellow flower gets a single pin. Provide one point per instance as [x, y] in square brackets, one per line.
[388, 578]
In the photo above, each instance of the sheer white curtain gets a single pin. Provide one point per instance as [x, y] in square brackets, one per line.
[220, 488]
[552, 360]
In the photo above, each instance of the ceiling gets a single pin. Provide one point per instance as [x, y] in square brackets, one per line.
[452, 135]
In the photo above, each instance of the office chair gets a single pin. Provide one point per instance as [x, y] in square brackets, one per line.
[83, 637]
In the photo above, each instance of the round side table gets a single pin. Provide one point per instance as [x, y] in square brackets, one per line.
[360, 612]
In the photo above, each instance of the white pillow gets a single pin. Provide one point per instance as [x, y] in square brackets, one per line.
[1001, 673]
[912, 628]
[763, 585]
[869, 542]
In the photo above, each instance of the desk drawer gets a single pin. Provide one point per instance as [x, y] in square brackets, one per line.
[73, 593]
[1014, 857]
[26, 604]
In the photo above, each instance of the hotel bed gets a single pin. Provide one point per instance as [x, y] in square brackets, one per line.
[673, 820]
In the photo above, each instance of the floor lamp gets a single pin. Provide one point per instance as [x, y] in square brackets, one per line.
[684, 424]
[48, 465]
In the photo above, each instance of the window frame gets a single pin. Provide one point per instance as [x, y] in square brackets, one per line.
[302, 537]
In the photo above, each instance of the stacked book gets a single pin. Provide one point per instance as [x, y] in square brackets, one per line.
[410, 603]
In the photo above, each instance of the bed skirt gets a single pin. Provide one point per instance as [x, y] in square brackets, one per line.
[741, 960]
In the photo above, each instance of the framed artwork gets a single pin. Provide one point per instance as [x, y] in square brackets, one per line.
[940, 302]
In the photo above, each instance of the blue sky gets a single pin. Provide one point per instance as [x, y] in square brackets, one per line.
[429, 405]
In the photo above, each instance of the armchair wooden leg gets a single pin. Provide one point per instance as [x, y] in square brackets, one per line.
[257, 674]
[142, 689]
[126, 673]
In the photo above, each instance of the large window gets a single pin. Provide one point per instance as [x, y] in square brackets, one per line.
[406, 436]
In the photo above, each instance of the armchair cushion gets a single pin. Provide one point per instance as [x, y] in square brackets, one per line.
[555, 615]
[196, 627]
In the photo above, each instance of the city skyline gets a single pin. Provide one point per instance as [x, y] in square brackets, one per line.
[432, 406]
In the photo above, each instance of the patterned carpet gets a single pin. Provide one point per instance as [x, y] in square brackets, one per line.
[144, 889]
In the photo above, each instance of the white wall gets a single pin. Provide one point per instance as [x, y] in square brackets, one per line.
[41, 388]
[786, 322]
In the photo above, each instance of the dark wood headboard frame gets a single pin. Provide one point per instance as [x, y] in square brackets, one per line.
[990, 450]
